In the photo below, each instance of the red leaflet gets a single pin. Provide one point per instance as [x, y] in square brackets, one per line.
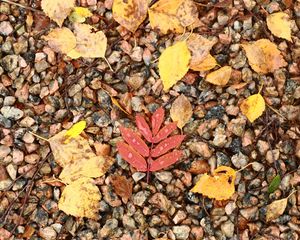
[132, 157]
[143, 127]
[164, 132]
[157, 119]
[165, 160]
[166, 145]
[135, 141]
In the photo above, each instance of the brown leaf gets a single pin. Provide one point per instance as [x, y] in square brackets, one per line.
[29, 231]
[219, 77]
[187, 13]
[276, 209]
[122, 187]
[181, 111]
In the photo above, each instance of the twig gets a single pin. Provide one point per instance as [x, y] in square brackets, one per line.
[45, 139]
[22, 6]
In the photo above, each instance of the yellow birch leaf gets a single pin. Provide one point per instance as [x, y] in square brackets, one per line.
[131, 13]
[89, 42]
[76, 129]
[74, 54]
[61, 40]
[174, 64]
[181, 111]
[280, 25]
[276, 209]
[208, 63]
[80, 199]
[219, 77]
[79, 14]
[219, 186]
[264, 56]
[57, 10]
[253, 107]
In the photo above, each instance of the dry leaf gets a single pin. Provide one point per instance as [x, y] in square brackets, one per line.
[263, 56]
[276, 209]
[61, 40]
[280, 25]
[208, 63]
[80, 199]
[131, 13]
[253, 107]
[122, 187]
[187, 13]
[219, 186]
[79, 15]
[76, 129]
[219, 77]
[89, 42]
[57, 10]
[173, 64]
[181, 111]
[118, 105]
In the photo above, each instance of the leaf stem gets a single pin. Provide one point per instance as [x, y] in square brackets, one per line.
[38, 136]
[244, 167]
[291, 193]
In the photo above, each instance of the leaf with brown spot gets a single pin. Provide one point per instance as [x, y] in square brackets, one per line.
[122, 186]
[187, 13]
[181, 111]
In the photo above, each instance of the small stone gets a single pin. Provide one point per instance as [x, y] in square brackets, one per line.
[137, 104]
[6, 28]
[201, 149]
[197, 232]
[110, 197]
[17, 156]
[137, 54]
[128, 222]
[41, 66]
[12, 171]
[230, 207]
[140, 197]
[228, 229]
[109, 228]
[249, 213]
[4, 151]
[48, 233]
[179, 217]
[28, 138]
[27, 122]
[137, 176]
[32, 158]
[12, 113]
[4, 233]
[263, 147]
[272, 155]
[9, 101]
[199, 167]
[10, 62]
[5, 122]
[5, 184]
[164, 176]
[136, 81]
[181, 232]
[162, 202]
[239, 160]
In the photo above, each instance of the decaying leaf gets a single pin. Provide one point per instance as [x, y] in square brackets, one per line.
[219, 77]
[174, 64]
[253, 107]
[280, 25]
[274, 184]
[57, 10]
[118, 105]
[80, 199]
[61, 40]
[181, 111]
[122, 187]
[131, 13]
[263, 56]
[90, 43]
[187, 13]
[79, 14]
[76, 129]
[219, 186]
[208, 63]
[276, 209]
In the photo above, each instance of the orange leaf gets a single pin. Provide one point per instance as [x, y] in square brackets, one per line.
[122, 187]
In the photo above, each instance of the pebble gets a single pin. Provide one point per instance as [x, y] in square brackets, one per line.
[239, 160]
[201, 149]
[179, 217]
[140, 197]
[10, 62]
[48, 233]
[228, 229]
[4, 151]
[6, 28]
[9, 101]
[250, 213]
[41, 66]
[12, 171]
[108, 228]
[137, 54]
[163, 176]
[12, 113]
[137, 176]
[181, 232]
[128, 222]
[162, 202]
[17, 156]
[5, 184]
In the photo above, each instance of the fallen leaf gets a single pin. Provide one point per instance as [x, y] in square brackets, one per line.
[118, 105]
[157, 119]
[143, 127]
[79, 14]
[280, 25]
[164, 132]
[76, 129]
[174, 64]
[165, 160]
[274, 184]
[131, 13]
[181, 111]
[28, 232]
[89, 42]
[263, 56]
[219, 186]
[57, 10]
[208, 63]
[276, 209]
[166, 145]
[219, 77]
[80, 199]
[122, 187]
[253, 107]
[61, 40]
[187, 13]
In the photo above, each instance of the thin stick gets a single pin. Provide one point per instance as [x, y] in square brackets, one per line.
[291, 193]
[22, 6]
[244, 167]
[108, 64]
[276, 111]
[45, 139]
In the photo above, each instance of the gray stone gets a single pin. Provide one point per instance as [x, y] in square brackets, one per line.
[5, 122]
[12, 113]
[48, 233]
[140, 197]
[239, 160]
[128, 222]
[109, 227]
[164, 176]
[9, 101]
[6, 28]
[181, 232]
[228, 229]
[4, 184]
[41, 66]
[4, 151]
[10, 62]
[74, 89]
[137, 176]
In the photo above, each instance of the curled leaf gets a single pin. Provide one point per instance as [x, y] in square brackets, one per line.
[219, 77]
[181, 111]
[280, 25]
[253, 107]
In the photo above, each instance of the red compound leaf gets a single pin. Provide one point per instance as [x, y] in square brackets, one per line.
[164, 132]
[143, 127]
[166, 145]
[132, 156]
[165, 160]
[135, 141]
[157, 119]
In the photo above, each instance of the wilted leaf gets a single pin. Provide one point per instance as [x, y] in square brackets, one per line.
[57, 10]
[76, 129]
[263, 56]
[181, 111]
[173, 64]
[118, 105]
[79, 15]
[80, 199]
[276, 209]
[164, 132]
[187, 13]
[253, 107]
[219, 186]
[208, 63]
[61, 40]
[131, 13]
[165, 160]
[280, 25]
[219, 77]
[157, 120]
[166, 145]
[274, 184]
[122, 187]
[90, 43]
[143, 127]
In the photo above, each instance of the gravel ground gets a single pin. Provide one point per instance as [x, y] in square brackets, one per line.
[45, 92]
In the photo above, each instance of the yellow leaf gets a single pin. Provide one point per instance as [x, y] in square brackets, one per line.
[173, 64]
[219, 77]
[131, 13]
[276, 209]
[263, 56]
[89, 42]
[80, 199]
[253, 107]
[219, 186]
[163, 16]
[61, 40]
[76, 129]
[79, 14]
[208, 63]
[57, 10]
[74, 54]
[280, 25]
[181, 111]
[117, 104]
